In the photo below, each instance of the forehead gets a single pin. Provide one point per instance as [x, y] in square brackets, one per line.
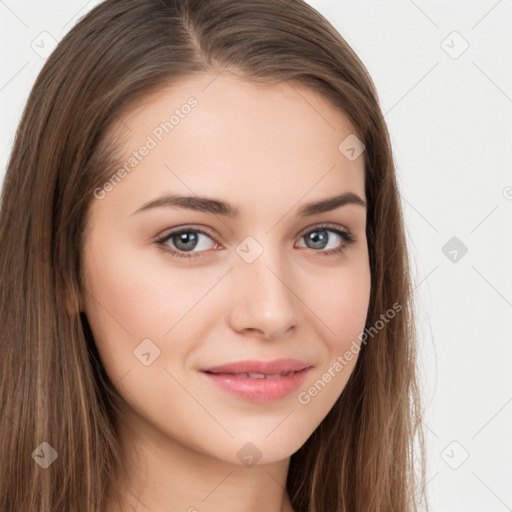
[220, 135]
[229, 101]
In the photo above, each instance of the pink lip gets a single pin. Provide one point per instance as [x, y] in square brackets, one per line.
[259, 389]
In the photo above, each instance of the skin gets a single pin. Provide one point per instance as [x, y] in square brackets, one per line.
[267, 149]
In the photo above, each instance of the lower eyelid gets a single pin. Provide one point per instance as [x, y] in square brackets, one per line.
[346, 236]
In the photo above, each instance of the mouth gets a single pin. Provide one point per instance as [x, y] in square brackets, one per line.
[258, 381]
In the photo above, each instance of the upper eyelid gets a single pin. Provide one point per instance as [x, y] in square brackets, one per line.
[206, 231]
[325, 225]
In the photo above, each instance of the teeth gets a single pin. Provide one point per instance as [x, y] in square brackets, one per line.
[259, 375]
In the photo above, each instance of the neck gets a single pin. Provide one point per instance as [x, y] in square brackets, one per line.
[162, 475]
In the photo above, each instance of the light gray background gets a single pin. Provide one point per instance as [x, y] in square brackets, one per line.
[449, 112]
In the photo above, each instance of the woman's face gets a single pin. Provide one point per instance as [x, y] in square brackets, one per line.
[263, 285]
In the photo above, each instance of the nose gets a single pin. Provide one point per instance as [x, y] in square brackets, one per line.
[264, 300]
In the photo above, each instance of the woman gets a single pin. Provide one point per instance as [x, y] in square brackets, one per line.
[205, 296]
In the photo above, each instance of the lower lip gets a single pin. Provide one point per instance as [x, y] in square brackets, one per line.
[259, 390]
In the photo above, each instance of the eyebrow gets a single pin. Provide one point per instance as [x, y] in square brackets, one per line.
[218, 207]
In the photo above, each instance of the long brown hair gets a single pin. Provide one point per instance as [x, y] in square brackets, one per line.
[53, 387]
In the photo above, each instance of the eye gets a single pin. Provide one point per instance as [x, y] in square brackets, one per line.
[186, 239]
[319, 239]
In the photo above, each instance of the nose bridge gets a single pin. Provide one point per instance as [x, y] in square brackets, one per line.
[263, 297]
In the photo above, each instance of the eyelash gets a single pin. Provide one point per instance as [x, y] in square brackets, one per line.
[347, 236]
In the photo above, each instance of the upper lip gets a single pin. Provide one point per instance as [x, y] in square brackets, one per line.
[264, 367]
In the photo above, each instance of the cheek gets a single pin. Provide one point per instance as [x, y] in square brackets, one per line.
[341, 303]
[342, 319]
[139, 293]
[135, 296]
[341, 308]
